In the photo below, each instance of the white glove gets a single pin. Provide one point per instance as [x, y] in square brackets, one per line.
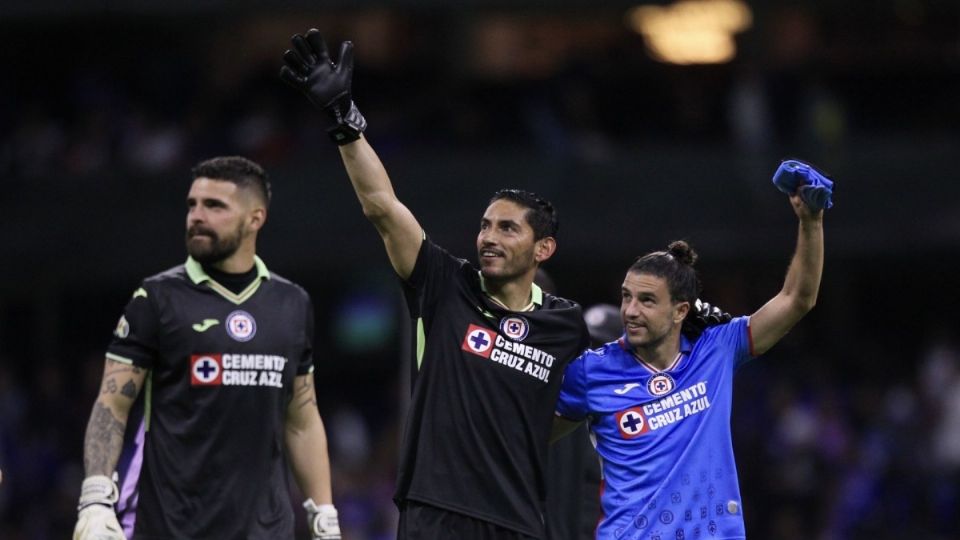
[96, 519]
[322, 521]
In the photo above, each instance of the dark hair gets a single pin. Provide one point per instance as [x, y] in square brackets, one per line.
[541, 215]
[239, 170]
[674, 265]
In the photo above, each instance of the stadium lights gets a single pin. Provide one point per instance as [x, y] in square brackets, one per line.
[691, 31]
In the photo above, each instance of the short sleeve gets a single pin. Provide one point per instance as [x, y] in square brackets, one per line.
[135, 339]
[425, 285]
[572, 402]
[734, 337]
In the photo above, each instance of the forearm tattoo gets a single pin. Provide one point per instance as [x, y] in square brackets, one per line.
[305, 394]
[104, 437]
[101, 446]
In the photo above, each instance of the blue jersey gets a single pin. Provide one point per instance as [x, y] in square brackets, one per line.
[663, 436]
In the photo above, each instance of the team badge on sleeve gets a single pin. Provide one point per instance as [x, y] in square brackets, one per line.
[632, 423]
[515, 328]
[205, 370]
[479, 341]
[241, 326]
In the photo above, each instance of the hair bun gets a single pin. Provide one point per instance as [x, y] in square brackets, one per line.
[682, 252]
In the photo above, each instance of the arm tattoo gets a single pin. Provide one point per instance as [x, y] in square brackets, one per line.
[101, 445]
[308, 402]
[109, 386]
[120, 369]
[305, 393]
[129, 390]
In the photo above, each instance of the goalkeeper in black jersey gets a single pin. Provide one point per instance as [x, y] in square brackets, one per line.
[490, 346]
[220, 350]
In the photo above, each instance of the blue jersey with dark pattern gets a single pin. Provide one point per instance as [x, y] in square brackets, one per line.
[663, 436]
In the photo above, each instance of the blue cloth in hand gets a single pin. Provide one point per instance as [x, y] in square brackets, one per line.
[814, 188]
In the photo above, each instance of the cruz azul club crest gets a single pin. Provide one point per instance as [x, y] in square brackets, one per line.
[660, 384]
[515, 328]
[241, 326]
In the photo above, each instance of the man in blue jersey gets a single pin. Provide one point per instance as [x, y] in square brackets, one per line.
[659, 403]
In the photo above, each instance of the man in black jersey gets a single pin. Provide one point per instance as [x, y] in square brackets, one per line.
[222, 350]
[490, 345]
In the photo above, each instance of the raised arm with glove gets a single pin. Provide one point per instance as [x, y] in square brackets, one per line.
[309, 68]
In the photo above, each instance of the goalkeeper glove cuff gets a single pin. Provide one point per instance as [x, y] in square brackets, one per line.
[96, 519]
[347, 125]
[322, 521]
[98, 489]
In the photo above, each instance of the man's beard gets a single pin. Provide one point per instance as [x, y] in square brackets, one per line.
[653, 340]
[218, 248]
[509, 271]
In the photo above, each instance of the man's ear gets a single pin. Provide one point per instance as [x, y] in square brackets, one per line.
[257, 218]
[680, 312]
[544, 248]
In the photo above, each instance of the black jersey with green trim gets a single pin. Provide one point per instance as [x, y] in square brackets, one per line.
[221, 374]
[485, 384]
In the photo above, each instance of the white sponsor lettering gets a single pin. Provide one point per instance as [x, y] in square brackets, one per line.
[507, 359]
[675, 399]
[523, 358]
[538, 371]
[665, 419]
[240, 370]
[694, 407]
[530, 353]
[252, 378]
[268, 362]
[677, 406]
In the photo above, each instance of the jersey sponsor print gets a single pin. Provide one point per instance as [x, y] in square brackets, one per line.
[526, 359]
[237, 370]
[660, 413]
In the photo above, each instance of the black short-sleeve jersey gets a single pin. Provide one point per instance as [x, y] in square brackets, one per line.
[222, 367]
[485, 384]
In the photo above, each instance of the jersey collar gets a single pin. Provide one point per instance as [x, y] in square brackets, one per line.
[685, 347]
[198, 277]
[536, 294]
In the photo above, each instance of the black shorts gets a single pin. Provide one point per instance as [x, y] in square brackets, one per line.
[419, 521]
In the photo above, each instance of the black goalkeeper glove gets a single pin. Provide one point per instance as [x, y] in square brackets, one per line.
[308, 68]
[702, 317]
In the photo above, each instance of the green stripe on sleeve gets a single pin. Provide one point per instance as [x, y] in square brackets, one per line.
[118, 358]
[421, 341]
[148, 401]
